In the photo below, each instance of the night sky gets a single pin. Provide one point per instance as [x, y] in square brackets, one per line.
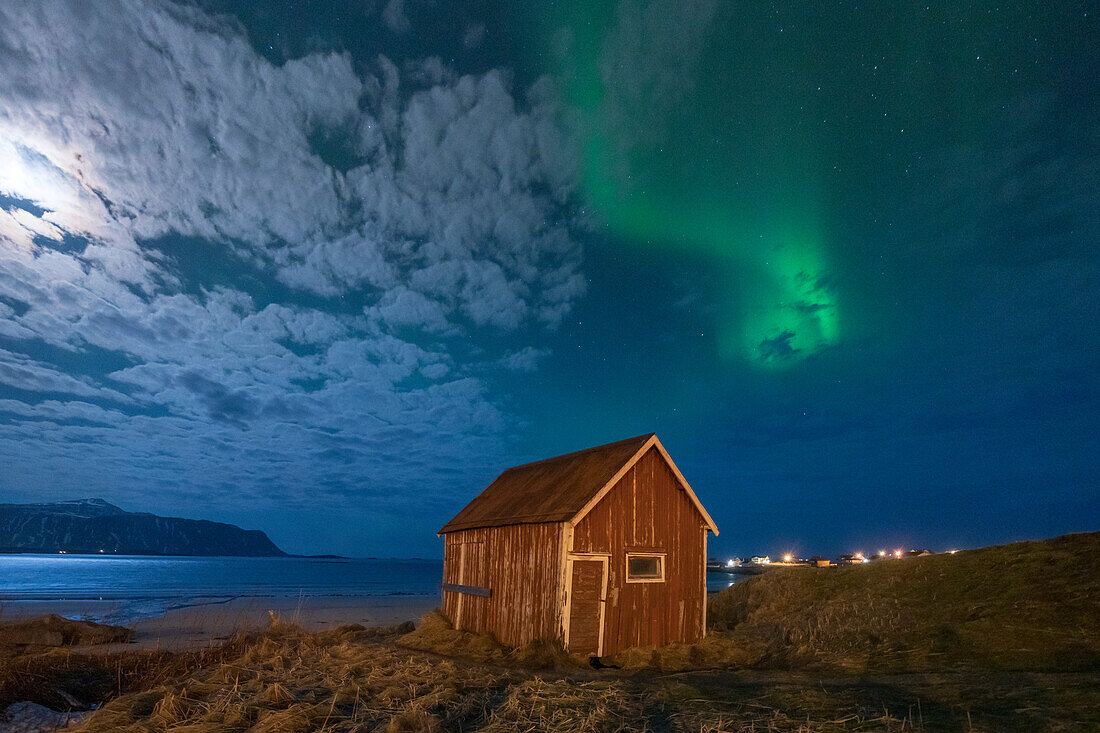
[326, 269]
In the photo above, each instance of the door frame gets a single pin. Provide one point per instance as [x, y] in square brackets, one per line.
[461, 577]
[605, 558]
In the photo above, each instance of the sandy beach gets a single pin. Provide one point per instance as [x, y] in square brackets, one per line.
[206, 623]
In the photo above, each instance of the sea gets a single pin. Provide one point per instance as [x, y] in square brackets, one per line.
[720, 581]
[142, 587]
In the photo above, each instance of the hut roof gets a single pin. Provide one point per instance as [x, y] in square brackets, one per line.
[560, 489]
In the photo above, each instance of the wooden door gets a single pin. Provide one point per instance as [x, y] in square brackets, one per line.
[587, 595]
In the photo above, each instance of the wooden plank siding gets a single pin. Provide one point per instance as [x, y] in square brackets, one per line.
[648, 511]
[521, 566]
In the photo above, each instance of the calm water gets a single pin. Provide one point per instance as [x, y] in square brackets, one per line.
[157, 583]
[146, 586]
[721, 581]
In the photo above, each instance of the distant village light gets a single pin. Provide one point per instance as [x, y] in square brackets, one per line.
[897, 553]
[787, 557]
[882, 553]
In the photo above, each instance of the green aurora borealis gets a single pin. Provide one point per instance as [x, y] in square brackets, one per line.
[825, 242]
[685, 191]
[740, 132]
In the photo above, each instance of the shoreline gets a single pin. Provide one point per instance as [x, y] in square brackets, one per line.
[206, 622]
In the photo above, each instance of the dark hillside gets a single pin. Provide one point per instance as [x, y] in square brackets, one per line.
[91, 526]
[1028, 605]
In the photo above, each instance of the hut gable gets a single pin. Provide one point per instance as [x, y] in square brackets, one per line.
[561, 489]
[645, 514]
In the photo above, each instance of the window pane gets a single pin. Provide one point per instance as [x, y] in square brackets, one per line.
[644, 567]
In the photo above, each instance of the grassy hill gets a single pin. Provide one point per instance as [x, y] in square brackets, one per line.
[1024, 606]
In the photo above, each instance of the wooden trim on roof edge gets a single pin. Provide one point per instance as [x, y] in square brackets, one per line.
[652, 442]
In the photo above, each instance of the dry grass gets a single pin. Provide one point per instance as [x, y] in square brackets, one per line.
[53, 630]
[289, 680]
[67, 678]
[1025, 606]
[715, 651]
[357, 679]
[353, 679]
[434, 633]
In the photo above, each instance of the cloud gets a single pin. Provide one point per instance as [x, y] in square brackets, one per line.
[27, 375]
[246, 279]
[777, 347]
[222, 403]
[402, 307]
[393, 15]
[648, 65]
[525, 360]
[473, 35]
[164, 122]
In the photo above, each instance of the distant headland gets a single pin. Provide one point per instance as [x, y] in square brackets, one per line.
[94, 526]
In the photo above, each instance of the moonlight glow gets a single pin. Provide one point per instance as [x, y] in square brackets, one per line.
[49, 200]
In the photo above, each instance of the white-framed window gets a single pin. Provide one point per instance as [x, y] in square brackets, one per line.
[645, 567]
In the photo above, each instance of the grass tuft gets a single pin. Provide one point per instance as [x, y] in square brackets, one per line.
[435, 634]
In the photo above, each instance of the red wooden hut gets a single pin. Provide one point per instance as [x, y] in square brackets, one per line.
[604, 548]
